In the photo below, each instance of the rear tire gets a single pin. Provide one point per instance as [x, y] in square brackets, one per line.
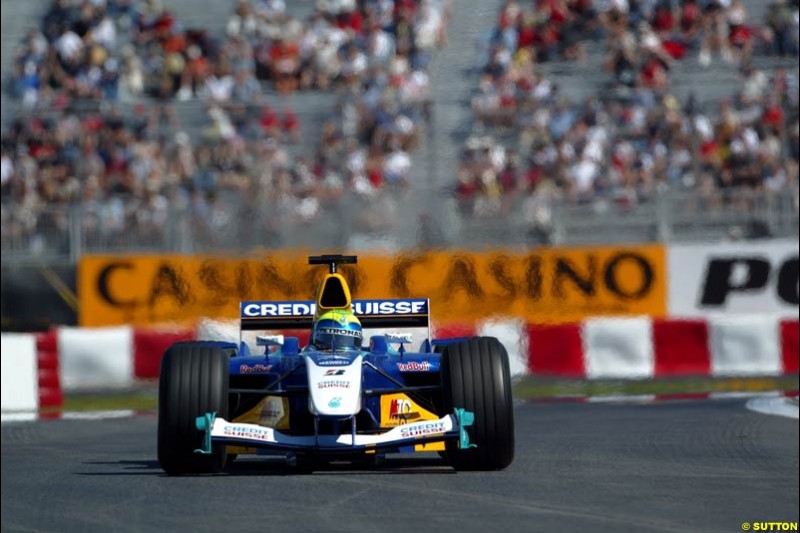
[476, 377]
[193, 382]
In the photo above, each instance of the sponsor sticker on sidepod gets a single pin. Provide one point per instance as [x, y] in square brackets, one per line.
[258, 368]
[414, 366]
[334, 361]
[333, 384]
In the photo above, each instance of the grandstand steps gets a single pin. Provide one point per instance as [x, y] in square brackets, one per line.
[212, 16]
[453, 76]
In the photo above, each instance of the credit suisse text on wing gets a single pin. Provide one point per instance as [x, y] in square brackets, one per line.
[414, 306]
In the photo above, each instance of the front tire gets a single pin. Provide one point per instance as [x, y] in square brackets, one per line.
[193, 382]
[476, 377]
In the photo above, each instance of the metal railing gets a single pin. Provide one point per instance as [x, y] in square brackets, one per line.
[392, 220]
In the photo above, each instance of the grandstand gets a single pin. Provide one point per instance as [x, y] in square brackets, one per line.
[340, 137]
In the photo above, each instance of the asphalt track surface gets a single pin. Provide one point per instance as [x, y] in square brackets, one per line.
[676, 466]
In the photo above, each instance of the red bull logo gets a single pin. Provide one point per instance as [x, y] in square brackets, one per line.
[414, 366]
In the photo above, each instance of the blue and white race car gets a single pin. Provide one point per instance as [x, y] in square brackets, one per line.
[220, 400]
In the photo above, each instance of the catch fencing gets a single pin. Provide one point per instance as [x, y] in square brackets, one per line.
[391, 220]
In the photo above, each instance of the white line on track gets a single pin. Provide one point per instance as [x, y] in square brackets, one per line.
[98, 415]
[77, 415]
[18, 417]
[622, 398]
[775, 406]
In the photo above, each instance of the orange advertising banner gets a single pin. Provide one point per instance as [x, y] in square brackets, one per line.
[543, 285]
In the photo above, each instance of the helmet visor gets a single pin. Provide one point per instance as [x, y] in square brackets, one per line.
[337, 339]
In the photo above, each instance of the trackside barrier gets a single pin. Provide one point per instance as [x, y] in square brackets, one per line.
[150, 344]
[555, 350]
[645, 348]
[509, 332]
[20, 390]
[218, 330]
[746, 345]
[36, 368]
[49, 378]
[618, 348]
[682, 348]
[96, 357]
[790, 346]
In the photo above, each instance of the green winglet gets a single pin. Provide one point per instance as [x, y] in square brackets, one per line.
[465, 418]
[205, 423]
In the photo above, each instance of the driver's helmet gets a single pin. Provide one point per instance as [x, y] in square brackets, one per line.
[337, 330]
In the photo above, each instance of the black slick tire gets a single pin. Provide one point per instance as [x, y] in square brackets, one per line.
[193, 382]
[476, 377]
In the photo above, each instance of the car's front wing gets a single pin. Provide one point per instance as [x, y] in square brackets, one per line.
[450, 427]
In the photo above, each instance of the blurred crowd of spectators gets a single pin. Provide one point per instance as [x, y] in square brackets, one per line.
[341, 42]
[131, 173]
[112, 50]
[123, 49]
[643, 44]
[643, 37]
[132, 167]
[533, 144]
[626, 150]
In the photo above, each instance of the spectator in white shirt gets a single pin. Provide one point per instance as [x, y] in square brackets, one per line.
[219, 86]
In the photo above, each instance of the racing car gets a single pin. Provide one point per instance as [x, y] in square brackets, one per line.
[347, 400]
